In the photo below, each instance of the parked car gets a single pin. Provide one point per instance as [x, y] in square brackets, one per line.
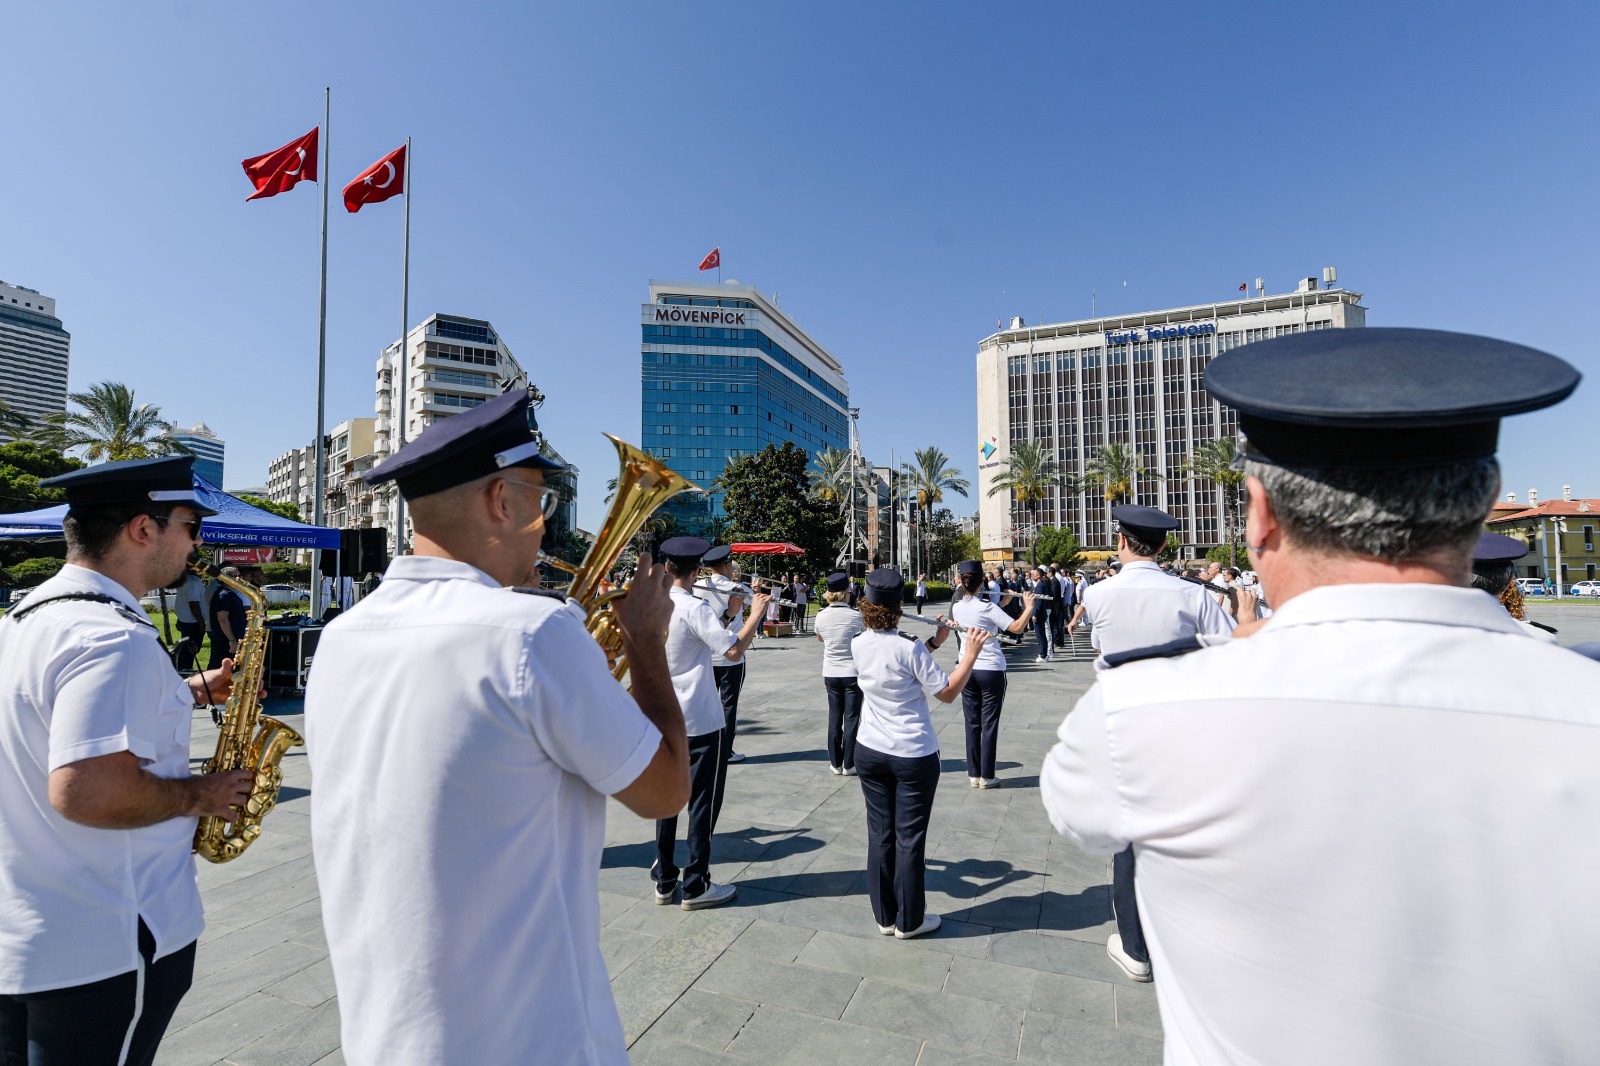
[1585, 588]
[1531, 586]
[279, 595]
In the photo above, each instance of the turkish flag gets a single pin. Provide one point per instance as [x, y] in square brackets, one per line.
[712, 260]
[1243, 287]
[280, 170]
[383, 179]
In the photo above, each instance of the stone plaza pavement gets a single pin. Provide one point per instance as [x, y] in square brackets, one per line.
[793, 970]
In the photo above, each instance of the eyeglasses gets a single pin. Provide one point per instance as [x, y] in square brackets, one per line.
[549, 495]
[192, 523]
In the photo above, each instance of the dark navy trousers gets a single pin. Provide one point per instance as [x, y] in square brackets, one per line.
[981, 702]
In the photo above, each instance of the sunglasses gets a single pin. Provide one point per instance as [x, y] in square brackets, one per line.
[193, 523]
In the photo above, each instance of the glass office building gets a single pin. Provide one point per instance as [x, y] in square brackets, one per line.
[724, 373]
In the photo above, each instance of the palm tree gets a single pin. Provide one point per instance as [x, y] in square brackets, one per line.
[830, 480]
[925, 480]
[1114, 467]
[13, 423]
[1028, 475]
[111, 426]
[1213, 461]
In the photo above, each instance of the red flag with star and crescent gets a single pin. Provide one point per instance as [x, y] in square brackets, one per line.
[282, 169]
[380, 181]
[712, 260]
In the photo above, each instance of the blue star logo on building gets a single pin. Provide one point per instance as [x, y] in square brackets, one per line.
[986, 448]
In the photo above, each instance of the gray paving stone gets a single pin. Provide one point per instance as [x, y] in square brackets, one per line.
[651, 1050]
[783, 984]
[704, 1019]
[620, 947]
[773, 940]
[312, 986]
[311, 1038]
[993, 981]
[241, 980]
[1076, 998]
[937, 1016]
[1137, 1010]
[785, 1038]
[226, 1031]
[1056, 954]
[657, 978]
[886, 959]
[1049, 1039]
[934, 1054]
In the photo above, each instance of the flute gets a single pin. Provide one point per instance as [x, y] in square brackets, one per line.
[746, 591]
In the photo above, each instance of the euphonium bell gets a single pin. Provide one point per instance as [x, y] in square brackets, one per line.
[643, 484]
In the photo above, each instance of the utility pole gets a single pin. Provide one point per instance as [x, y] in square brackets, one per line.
[850, 523]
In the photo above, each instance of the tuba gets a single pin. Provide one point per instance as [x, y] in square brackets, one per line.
[247, 741]
[643, 484]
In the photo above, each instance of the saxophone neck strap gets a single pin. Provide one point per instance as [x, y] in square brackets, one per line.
[90, 597]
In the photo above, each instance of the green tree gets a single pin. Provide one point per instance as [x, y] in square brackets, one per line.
[23, 464]
[1059, 546]
[830, 477]
[925, 480]
[1113, 469]
[965, 546]
[1213, 461]
[32, 572]
[1028, 474]
[283, 510]
[768, 496]
[13, 422]
[110, 425]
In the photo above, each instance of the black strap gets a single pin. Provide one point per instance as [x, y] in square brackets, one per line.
[527, 591]
[1541, 625]
[89, 597]
[1169, 650]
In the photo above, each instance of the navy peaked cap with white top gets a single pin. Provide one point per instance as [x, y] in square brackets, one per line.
[453, 451]
[1497, 549]
[1143, 519]
[716, 554]
[167, 479]
[1381, 398]
[885, 587]
[685, 548]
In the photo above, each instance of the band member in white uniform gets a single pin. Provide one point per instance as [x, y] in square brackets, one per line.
[837, 625]
[99, 910]
[1360, 832]
[983, 697]
[897, 752]
[463, 738]
[727, 597]
[1494, 568]
[694, 635]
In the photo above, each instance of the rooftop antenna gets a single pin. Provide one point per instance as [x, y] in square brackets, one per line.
[1330, 277]
[1261, 288]
[1093, 311]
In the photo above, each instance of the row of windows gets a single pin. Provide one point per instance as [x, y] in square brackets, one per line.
[466, 331]
[451, 399]
[701, 408]
[666, 429]
[457, 354]
[706, 301]
[745, 338]
[462, 377]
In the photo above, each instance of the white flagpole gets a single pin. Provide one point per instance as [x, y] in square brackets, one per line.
[322, 362]
[399, 435]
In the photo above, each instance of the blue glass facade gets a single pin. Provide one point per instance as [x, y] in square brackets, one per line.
[713, 393]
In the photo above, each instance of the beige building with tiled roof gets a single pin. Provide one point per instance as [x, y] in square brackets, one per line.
[1560, 535]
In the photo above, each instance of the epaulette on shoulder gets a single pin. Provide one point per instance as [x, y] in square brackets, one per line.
[548, 593]
[908, 636]
[1170, 650]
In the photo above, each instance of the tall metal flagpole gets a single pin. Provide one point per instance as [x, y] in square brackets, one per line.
[322, 361]
[399, 435]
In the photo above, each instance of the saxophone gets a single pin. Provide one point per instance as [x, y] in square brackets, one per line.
[247, 741]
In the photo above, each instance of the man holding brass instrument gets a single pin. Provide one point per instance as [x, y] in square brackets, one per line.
[99, 909]
[463, 739]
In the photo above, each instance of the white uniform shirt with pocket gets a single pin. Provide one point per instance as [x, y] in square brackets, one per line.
[896, 675]
[971, 611]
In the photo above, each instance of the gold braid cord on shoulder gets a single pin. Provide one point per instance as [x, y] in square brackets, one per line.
[1511, 596]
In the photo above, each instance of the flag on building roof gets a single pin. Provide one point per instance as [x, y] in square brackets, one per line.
[1245, 287]
[383, 179]
[712, 260]
[283, 168]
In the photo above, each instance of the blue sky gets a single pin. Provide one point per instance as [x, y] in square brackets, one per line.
[903, 174]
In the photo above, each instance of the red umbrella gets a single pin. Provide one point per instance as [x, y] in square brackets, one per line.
[766, 548]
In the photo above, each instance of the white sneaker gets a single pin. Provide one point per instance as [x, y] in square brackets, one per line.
[850, 771]
[1131, 967]
[734, 756]
[836, 771]
[713, 896]
[886, 930]
[666, 893]
[989, 782]
[974, 782]
[1038, 658]
[929, 924]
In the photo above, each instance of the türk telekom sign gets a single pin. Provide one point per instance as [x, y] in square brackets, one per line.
[703, 316]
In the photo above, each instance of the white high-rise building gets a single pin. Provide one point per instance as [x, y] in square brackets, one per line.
[291, 478]
[453, 364]
[1137, 381]
[33, 355]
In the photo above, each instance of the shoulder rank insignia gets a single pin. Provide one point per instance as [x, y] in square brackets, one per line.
[908, 636]
[529, 591]
[1170, 650]
[18, 614]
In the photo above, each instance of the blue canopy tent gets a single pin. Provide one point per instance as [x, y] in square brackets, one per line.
[236, 524]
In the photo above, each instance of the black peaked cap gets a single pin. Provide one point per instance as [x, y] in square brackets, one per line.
[462, 448]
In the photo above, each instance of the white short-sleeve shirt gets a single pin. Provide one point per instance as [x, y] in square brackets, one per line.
[896, 675]
[1144, 606]
[972, 611]
[838, 625]
[694, 637]
[80, 680]
[1360, 834]
[720, 595]
[463, 738]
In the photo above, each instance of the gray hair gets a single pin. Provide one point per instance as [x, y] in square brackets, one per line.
[1393, 514]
